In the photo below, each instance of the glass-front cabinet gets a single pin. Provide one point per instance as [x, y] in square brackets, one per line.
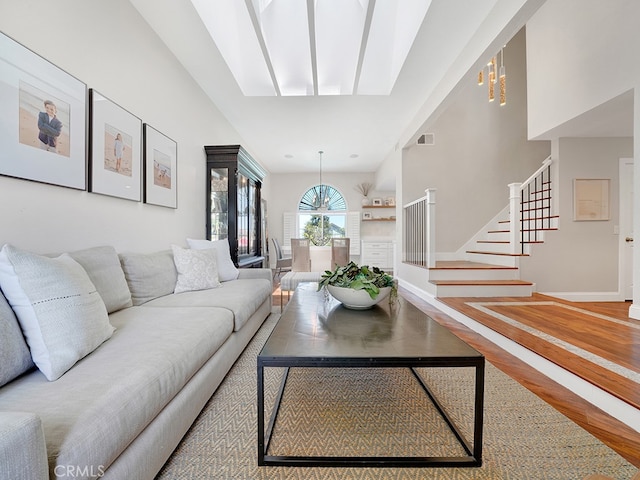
[234, 180]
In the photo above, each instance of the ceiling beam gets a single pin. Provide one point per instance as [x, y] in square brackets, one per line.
[263, 46]
[311, 18]
[363, 44]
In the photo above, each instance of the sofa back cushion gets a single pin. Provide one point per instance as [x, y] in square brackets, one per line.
[103, 267]
[59, 309]
[149, 275]
[15, 358]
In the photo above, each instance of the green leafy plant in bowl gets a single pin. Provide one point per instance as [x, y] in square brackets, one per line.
[355, 277]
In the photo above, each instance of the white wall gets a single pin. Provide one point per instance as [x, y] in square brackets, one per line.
[581, 257]
[581, 53]
[480, 148]
[108, 46]
[287, 190]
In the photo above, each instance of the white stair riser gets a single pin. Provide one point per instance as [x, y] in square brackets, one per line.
[494, 247]
[503, 260]
[484, 290]
[474, 274]
[497, 236]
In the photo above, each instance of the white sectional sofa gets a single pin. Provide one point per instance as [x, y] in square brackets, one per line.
[119, 411]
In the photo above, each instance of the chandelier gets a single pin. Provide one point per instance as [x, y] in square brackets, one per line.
[495, 76]
[320, 197]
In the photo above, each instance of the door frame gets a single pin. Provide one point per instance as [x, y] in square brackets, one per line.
[625, 265]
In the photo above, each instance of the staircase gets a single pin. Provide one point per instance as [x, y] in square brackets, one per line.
[488, 264]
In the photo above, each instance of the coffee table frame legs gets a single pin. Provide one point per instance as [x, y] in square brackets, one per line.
[472, 449]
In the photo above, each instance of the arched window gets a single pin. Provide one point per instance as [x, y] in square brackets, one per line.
[322, 214]
[321, 196]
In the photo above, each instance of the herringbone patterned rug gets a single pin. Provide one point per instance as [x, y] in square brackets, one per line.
[384, 412]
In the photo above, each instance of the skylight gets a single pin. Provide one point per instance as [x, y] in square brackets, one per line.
[317, 47]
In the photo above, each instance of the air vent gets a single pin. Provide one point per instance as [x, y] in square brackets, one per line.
[426, 139]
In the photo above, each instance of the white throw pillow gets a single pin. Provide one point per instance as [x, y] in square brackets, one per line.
[226, 269]
[61, 314]
[15, 358]
[196, 269]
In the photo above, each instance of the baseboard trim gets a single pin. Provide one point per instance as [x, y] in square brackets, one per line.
[634, 311]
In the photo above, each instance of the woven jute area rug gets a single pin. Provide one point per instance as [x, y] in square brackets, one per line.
[369, 412]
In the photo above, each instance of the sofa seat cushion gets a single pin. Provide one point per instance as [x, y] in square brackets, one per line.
[231, 295]
[93, 412]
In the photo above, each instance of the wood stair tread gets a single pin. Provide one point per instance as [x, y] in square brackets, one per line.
[480, 282]
[498, 253]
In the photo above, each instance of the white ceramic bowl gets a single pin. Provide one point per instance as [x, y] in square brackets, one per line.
[357, 299]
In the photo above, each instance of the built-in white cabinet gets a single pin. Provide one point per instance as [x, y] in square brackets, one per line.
[377, 253]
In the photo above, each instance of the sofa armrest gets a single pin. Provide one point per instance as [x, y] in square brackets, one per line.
[23, 452]
[255, 273]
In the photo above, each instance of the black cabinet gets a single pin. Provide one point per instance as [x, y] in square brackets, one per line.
[234, 180]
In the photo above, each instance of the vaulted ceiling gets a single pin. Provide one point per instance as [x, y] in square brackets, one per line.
[356, 132]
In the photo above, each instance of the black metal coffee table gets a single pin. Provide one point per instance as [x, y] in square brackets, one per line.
[405, 337]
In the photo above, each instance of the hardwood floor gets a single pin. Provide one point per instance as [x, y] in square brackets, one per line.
[617, 435]
[601, 329]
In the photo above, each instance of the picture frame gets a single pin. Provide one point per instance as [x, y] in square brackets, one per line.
[591, 199]
[367, 216]
[44, 129]
[160, 168]
[376, 202]
[115, 136]
[390, 202]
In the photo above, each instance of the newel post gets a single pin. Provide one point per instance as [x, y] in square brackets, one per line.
[430, 222]
[515, 224]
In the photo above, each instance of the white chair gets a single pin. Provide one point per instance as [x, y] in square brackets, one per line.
[282, 263]
[339, 252]
[300, 255]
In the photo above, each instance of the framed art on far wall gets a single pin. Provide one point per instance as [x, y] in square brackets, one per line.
[160, 169]
[590, 199]
[115, 136]
[43, 128]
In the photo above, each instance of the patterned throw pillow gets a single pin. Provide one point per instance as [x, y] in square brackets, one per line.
[226, 269]
[197, 269]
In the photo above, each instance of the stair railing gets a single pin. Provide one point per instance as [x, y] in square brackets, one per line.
[419, 224]
[530, 208]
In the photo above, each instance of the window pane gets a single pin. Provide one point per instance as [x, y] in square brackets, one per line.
[243, 215]
[320, 228]
[322, 196]
[219, 203]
